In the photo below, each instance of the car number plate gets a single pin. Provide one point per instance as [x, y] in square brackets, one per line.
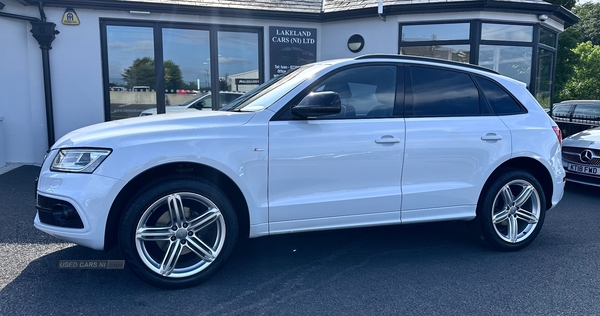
[583, 169]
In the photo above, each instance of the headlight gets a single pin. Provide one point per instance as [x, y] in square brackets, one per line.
[79, 160]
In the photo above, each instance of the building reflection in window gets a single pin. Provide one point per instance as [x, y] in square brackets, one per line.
[238, 61]
[186, 60]
[131, 70]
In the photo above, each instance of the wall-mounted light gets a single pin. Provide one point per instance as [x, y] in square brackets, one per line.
[380, 10]
[140, 12]
[356, 43]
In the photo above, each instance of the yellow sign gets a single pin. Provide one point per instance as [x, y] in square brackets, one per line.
[70, 17]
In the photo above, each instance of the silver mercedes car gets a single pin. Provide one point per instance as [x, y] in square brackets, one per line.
[581, 157]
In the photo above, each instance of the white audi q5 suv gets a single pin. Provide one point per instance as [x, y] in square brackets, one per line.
[375, 140]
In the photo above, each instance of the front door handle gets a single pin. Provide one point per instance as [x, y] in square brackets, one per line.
[491, 136]
[387, 140]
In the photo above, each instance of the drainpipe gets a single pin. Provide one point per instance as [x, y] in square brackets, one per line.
[44, 33]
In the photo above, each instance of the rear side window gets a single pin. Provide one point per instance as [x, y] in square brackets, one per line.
[440, 92]
[501, 102]
[587, 111]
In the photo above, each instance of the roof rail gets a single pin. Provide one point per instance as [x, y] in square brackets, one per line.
[426, 59]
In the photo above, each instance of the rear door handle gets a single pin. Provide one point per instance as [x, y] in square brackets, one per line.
[387, 140]
[491, 136]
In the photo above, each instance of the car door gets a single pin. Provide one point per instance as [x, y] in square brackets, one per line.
[340, 170]
[453, 143]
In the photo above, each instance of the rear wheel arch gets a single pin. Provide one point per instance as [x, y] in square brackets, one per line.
[165, 172]
[530, 165]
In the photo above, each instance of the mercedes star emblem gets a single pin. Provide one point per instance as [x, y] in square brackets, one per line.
[586, 156]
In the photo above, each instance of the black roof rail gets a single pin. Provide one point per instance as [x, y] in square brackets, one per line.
[426, 59]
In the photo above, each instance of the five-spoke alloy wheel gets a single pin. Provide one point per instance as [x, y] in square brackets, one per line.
[511, 212]
[178, 233]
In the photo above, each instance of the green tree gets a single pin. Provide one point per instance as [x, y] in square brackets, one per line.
[173, 78]
[568, 4]
[585, 83]
[589, 26]
[142, 73]
[566, 58]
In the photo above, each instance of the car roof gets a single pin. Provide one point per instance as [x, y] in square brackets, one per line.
[426, 60]
[579, 101]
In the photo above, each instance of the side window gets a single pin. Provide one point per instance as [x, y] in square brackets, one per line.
[561, 110]
[440, 92]
[367, 91]
[230, 97]
[501, 102]
[587, 111]
[224, 99]
[206, 103]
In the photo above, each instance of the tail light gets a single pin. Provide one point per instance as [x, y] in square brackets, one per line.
[558, 133]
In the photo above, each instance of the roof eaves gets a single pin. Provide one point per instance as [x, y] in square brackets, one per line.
[187, 9]
[318, 10]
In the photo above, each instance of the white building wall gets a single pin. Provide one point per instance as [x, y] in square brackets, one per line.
[76, 72]
[380, 37]
[23, 138]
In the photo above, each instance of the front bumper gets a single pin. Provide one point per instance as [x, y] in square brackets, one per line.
[90, 195]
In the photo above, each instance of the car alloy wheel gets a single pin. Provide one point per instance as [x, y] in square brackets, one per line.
[516, 211]
[511, 210]
[178, 233]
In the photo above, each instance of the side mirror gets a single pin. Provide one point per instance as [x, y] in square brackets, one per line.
[318, 104]
[199, 105]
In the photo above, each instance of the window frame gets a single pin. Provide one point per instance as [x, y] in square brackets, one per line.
[521, 106]
[284, 114]
[409, 96]
[475, 42]
[157, 27]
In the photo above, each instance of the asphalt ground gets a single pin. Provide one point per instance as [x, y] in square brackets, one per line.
[428, 269]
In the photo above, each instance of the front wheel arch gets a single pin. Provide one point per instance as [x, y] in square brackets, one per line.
[179, 169]
[178, 233]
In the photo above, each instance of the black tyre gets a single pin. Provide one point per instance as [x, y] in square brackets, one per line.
[178, 233]
[511, 211]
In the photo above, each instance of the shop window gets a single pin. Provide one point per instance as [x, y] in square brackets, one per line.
[543, 77]
[195, 62]
[238, 61]
[547, 37]
[511, 61]
[459, 53]
[131, 70]
[186, 61]
[506, 32]
[435, 32]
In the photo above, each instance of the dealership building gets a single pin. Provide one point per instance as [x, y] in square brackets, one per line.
[65, 64]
